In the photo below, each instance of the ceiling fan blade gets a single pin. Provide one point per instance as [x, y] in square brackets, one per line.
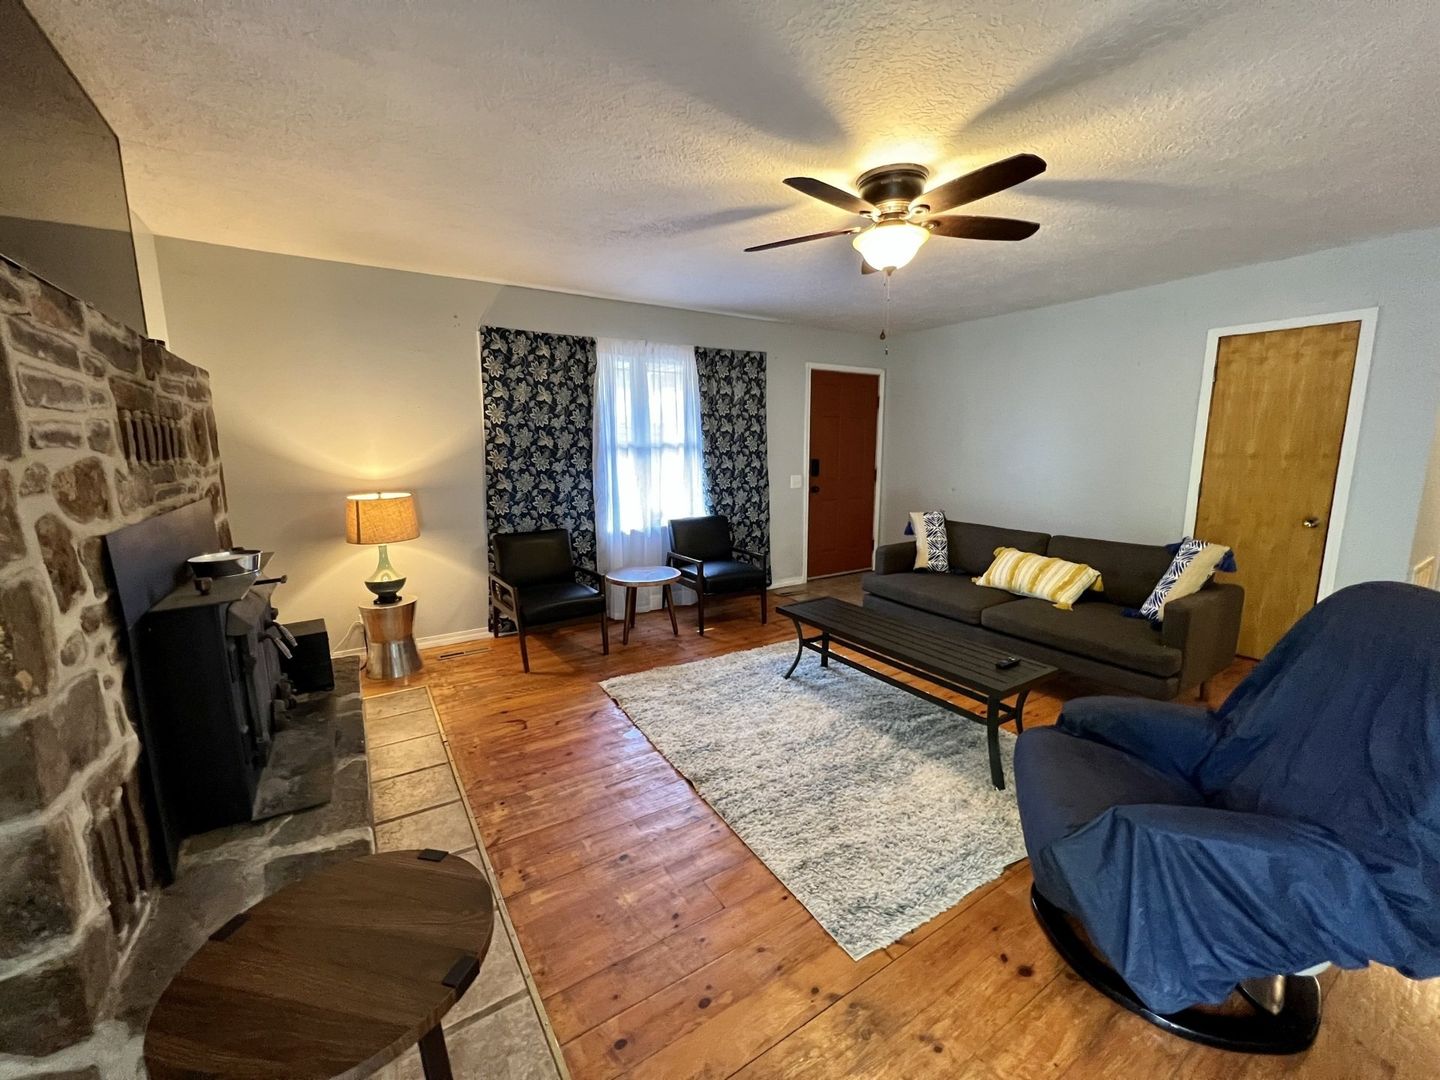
[982, 182]
[866, 268]
[804, 239]
[818, 189]
[981, 228]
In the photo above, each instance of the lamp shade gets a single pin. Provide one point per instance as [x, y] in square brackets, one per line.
[381, 517]
[890, 244]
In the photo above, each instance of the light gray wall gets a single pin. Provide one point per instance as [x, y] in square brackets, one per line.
[1080, 418]
[330, 378]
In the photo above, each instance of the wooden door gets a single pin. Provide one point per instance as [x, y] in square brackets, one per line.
[1277, 415]
[844, 417]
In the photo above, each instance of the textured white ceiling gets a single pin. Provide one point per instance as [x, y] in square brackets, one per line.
[631, 149]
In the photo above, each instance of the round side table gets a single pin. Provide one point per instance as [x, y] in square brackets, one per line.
[333, 976]
[634, 578]
[390, 651]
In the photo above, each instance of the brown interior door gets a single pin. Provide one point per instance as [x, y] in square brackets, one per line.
[844, 416]
[1277, 416]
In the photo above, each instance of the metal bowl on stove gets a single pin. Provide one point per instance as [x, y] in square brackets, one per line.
[238, 560]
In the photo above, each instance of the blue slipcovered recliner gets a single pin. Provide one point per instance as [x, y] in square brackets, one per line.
[1298, 824]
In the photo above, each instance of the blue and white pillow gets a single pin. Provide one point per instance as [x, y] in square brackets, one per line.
[932, 542]
[1194, 564]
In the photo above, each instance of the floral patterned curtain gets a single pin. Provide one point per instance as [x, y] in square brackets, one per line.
[539, 392]
[732, 425]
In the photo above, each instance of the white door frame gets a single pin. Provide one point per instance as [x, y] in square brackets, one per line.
[805, 459]
[1349, 440]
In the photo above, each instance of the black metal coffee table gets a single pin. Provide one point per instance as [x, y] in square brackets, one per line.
[946, 660]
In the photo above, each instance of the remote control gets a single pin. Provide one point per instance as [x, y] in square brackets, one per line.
[1007, 663]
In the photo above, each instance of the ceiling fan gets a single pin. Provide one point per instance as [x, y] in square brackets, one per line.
[902, 214]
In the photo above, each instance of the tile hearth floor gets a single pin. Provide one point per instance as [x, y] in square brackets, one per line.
[496, 1030]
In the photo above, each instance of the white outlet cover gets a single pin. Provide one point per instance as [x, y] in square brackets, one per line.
[796, 480]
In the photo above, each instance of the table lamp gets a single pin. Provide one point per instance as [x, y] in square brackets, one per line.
[384, 518]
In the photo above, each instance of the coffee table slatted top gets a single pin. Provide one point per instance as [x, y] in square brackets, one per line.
[946, 655]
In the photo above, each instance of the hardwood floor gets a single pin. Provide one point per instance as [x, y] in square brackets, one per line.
[663, 948]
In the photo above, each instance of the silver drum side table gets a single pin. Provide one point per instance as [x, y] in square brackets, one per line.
[390, 651]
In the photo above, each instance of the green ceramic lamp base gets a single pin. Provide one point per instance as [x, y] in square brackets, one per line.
[385, 583]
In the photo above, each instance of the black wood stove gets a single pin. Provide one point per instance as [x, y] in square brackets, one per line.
[213, 698]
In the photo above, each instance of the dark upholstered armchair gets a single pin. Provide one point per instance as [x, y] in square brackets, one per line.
[535, 584]
[1295, 826]
[704, 552]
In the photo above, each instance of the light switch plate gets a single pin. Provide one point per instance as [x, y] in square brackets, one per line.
[796, 480]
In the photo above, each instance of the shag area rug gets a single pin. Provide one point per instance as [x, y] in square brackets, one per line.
[874, 808]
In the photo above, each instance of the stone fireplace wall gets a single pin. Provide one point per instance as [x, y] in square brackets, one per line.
[99, 428]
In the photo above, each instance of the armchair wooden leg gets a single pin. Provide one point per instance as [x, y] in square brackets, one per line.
[764, 605]
[700, 609]
[604, 632]
[1203, 691]
[524, 652]
[669, 597]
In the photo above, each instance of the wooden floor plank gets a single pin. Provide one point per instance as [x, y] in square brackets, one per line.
[630, 980]
[634, 903]
[916, 991]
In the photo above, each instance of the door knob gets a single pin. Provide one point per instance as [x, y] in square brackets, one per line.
[1311, 523]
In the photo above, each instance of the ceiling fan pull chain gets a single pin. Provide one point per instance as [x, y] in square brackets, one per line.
[885, 325]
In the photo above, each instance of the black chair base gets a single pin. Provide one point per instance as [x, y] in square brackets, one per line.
[1290, 1031]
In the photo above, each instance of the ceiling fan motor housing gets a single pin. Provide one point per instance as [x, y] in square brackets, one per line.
[891, 188]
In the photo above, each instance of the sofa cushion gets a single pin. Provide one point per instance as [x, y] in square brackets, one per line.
[726, 575]
[972, 546]
[1099, 631]
[702, 537]
[529, 558]
[950, 595]
[1129, 571]
[548, 603]
[1063, 782]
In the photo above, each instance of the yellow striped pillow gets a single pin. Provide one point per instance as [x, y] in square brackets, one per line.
[1044, 578]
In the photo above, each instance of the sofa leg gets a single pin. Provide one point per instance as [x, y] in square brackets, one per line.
[524, 652]
[1202, 692]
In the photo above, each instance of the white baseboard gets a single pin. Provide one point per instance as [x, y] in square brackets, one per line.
[455, 637]
[786, 583]
[430, 641]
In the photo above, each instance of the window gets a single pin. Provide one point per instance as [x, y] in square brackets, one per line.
[647, 448]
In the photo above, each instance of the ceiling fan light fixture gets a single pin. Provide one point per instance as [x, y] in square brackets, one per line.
[890, 245]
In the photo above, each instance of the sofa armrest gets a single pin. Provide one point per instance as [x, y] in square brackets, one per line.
[895, 558]
[1205, 627]
[504, 595]
[1173, 738]
[686, 565]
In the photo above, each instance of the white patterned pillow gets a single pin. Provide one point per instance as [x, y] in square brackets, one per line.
[1194, 564]
[932, 543]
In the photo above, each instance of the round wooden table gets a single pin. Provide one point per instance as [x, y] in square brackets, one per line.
[634, 578]
[333, 976]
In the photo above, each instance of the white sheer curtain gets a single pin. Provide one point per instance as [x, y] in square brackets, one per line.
[647, 454]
